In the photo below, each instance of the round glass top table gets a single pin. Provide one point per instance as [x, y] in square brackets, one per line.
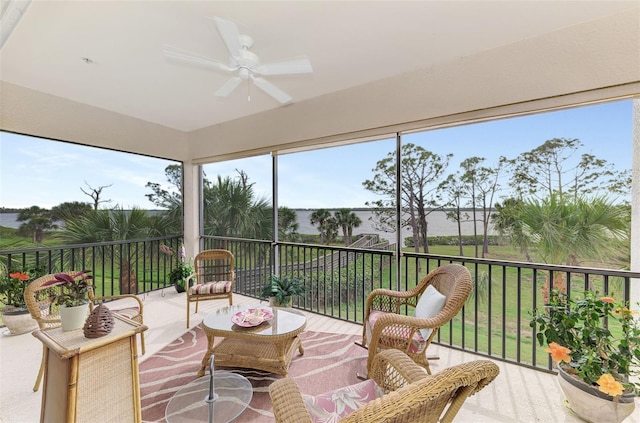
[188, 404]
[268, 346]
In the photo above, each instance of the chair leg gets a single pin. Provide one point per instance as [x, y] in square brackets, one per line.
[142, 342]
[40, 371]
[188, 312]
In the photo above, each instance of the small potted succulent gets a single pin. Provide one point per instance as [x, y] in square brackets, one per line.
[281, 289]
[72, 298]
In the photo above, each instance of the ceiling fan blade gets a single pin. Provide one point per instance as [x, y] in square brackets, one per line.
[286, 67]
[229, 86]
[192, 58]
[230, 35]
[271, 89]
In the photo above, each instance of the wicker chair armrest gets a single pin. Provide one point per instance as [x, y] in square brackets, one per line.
[287, 402]
[388, 300]
[392, 369]
[119, 297]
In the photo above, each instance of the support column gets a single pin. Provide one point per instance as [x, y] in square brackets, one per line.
[191, 188]
[635, 205]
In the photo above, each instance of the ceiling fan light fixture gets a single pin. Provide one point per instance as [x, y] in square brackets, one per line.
[244, 64]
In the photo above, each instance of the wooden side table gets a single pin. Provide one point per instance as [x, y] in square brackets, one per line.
[89, 380]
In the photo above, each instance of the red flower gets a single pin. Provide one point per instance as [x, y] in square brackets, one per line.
[23, 276]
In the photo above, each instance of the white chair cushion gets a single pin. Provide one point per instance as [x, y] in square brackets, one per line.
[430, 303]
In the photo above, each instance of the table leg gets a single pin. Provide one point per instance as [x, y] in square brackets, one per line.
[300, 348]
[207, 354]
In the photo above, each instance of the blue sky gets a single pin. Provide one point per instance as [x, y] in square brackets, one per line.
[47, 173]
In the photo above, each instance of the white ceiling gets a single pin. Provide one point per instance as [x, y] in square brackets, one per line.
[349, 43]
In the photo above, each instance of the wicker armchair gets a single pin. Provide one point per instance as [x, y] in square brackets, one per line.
[43, 311]
[409, 394]
[214, 277]
[385, 328]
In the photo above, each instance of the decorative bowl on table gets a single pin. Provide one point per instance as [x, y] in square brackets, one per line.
[251, 317]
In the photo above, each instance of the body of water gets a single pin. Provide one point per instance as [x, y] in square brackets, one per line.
[438, 224]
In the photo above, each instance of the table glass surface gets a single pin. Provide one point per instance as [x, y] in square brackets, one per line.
[284, 321]
[188, 404]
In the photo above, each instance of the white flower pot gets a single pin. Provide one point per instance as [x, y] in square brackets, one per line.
[591, 405]
[18, 321]
[73, 318]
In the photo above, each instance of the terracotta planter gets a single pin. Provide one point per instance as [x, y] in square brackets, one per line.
[18, 321]
[591, 405]
[73, 318]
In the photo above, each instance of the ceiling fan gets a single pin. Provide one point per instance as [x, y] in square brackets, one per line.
[244, 64]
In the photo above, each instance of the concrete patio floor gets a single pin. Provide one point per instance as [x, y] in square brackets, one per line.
[517, 395]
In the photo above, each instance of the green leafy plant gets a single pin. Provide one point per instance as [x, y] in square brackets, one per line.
[73, 288]
[283, 287]
[577, 338]
[13, 284]
[179, 274]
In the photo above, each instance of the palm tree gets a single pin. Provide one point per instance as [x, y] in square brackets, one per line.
[566, 231]
[321, 217]
[113, 225]
[347, 220]
[230, 209]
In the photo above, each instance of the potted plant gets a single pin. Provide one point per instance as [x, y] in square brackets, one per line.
[596, 364]
[179, 275]
[281, 289]
[72, 298]
[15, 314]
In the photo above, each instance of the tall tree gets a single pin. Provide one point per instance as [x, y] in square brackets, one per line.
[347, 220]
[421, 171]
[454, 191]
[37, 220]
[470, 175]
[169, 199]
[95, 194]
[486, 186]
[70, 210]
[554, 167]
[287, 224]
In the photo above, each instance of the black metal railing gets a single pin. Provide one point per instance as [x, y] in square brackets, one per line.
[118, 267]
[494, 322]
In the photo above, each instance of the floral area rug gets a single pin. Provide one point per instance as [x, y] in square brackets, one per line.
[330, 361]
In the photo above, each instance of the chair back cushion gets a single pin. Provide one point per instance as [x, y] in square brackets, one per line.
[431, 302]
[334, 405]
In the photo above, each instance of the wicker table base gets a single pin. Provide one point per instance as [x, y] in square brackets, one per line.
[269, 347]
